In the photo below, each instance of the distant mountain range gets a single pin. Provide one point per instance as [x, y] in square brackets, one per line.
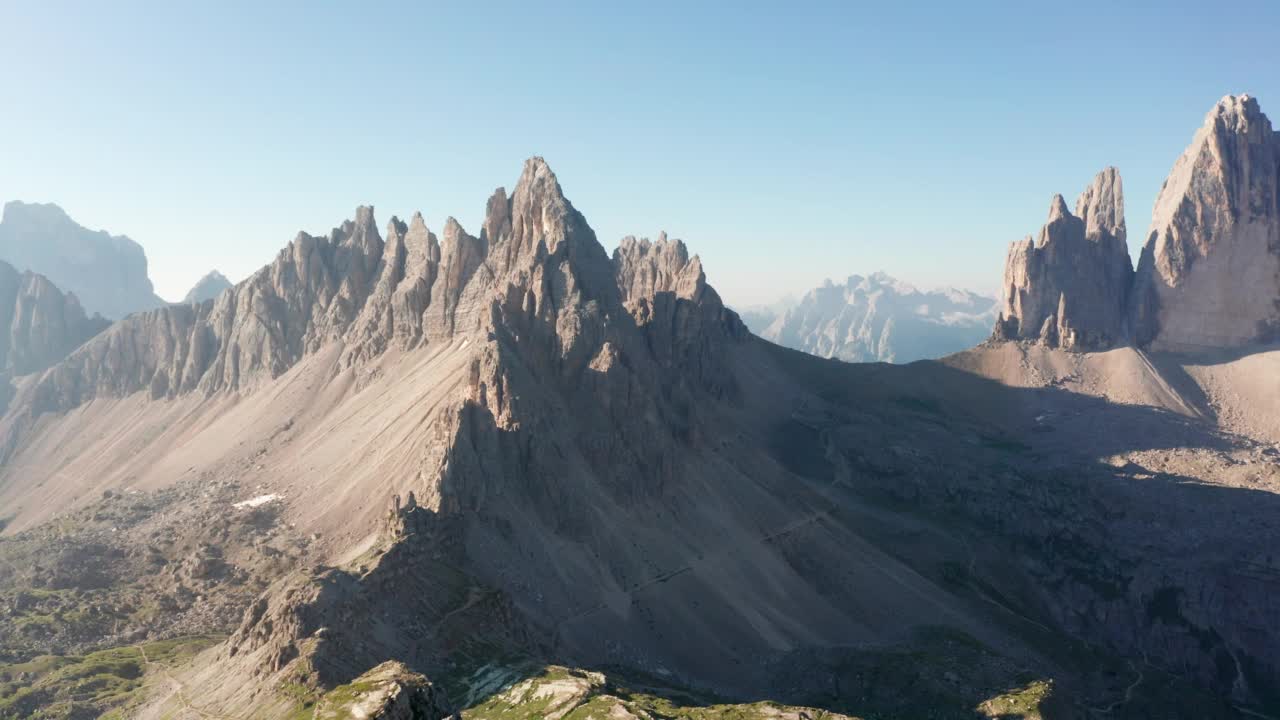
[877, 318]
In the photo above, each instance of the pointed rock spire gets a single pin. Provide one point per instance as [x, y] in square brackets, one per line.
[421, 241]
[539, 211]
[1101, 206]
[1057, 209]
[497, 218]
[461, 255]
[1070, 288]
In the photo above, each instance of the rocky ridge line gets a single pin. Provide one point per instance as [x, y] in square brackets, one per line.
[536, 270]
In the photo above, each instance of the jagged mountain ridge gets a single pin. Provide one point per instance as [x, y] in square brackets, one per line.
[594, 443]
[108, 273]
[353, 287]
[877, 318]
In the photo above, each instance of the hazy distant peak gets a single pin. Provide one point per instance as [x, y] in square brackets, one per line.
[207, 287]
[107, 272]
[51, 215]
[17, 208]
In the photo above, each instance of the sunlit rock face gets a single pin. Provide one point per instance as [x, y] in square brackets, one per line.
[1209, 273]
[1069, 287]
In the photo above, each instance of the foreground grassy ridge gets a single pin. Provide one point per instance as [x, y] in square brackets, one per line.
[101, 684]
[559, 693]
[1024, 702]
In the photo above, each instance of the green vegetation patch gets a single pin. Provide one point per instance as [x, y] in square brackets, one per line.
[1023, 702]
[54, 686]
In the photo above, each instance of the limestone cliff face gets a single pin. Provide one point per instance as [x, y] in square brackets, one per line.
[1070, 286]
[667, 294]
[1209, 273]
[108, 273]
[39, 325]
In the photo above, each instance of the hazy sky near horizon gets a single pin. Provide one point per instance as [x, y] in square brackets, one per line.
[784, 142]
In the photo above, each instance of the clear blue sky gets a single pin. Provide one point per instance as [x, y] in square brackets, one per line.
[785, 142]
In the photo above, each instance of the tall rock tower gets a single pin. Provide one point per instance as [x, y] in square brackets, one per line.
[1069, 287]
[1209, 273]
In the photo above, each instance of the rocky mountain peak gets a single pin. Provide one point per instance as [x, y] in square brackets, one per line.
[1101, 206]
[361, 235]
[1209, 273]
[541, 221]
[645, 269]
[1057, 209]
[1240, 115]
[546, 263]
[1070, 286]
[418, 240]
[363, 231]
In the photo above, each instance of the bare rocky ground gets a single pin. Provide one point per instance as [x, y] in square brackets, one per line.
[140, 566]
